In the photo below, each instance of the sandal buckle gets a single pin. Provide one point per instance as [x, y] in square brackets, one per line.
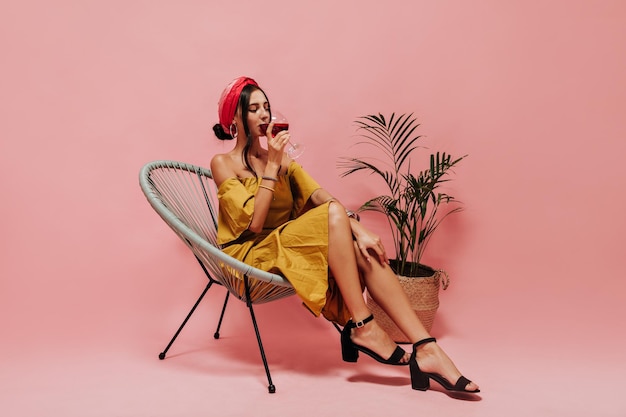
[363, 322]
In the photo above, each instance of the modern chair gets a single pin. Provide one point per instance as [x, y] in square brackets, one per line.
[184, 196]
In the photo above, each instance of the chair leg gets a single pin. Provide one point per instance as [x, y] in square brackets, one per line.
[162, 354]
[271, 388]
[216, 335]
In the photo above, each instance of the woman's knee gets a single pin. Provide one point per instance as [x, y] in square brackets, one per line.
[337, 215]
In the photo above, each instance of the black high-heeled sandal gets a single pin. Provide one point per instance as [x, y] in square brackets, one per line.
[420, 380]
[350, 350]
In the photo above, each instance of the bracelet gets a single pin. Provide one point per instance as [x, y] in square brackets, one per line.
[353, 215]
[270, 178]
[266, 187]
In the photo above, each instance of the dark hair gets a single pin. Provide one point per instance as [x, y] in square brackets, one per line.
[219, 132]
[244, 102]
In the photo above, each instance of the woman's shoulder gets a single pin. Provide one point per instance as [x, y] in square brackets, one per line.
[222, 168]
[220, 159]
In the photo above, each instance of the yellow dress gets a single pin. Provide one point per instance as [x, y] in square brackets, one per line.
[294, 240]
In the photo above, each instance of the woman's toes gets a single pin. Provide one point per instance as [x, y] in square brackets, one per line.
[472, 387]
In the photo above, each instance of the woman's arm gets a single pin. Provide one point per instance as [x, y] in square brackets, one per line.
[263, 197]
[222, 169]
[265, 192]
[321, 196]
[368, 242]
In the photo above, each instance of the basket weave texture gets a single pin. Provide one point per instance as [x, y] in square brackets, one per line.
[423, 293]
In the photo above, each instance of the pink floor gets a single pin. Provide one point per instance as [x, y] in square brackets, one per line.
[539, 367]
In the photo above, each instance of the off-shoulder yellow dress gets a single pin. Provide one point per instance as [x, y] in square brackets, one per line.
[294, 240]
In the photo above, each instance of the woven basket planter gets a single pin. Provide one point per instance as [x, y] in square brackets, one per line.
[423, 293]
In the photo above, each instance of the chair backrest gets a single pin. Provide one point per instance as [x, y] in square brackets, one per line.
[184, 195]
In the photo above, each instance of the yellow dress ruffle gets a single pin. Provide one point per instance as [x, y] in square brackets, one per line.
[294, 240]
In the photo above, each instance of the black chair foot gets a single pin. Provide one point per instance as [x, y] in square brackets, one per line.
[271, 389]
[162, 355]
[216, 335]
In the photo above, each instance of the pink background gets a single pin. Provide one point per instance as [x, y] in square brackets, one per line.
[93, 284]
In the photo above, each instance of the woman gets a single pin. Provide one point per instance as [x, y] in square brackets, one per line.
[275, 217]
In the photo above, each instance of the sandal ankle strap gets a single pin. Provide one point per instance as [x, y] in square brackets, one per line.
[423, 342]
[350, 324]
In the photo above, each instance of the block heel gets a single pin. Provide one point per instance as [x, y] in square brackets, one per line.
[350, 350]
[420, 380]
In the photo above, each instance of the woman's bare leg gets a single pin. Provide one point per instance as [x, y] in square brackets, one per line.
[343, 264]
[385, 289]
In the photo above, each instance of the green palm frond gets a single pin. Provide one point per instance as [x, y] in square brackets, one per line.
[412, 205]
[394, 137]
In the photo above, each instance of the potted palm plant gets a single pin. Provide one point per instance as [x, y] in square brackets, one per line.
[413, 204]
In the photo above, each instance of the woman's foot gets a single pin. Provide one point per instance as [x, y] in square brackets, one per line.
[433, 360]
[372, 337]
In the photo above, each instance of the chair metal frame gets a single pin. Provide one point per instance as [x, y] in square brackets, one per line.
[185, 197]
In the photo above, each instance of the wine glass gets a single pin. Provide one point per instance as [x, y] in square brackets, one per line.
[295, 150]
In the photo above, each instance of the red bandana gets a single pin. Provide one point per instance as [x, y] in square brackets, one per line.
[227, 105]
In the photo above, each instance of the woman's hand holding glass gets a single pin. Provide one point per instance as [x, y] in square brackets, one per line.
[276, 143]
[278, 125]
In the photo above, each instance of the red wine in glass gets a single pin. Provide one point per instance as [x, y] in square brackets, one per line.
[280, 123]
[278, 127]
